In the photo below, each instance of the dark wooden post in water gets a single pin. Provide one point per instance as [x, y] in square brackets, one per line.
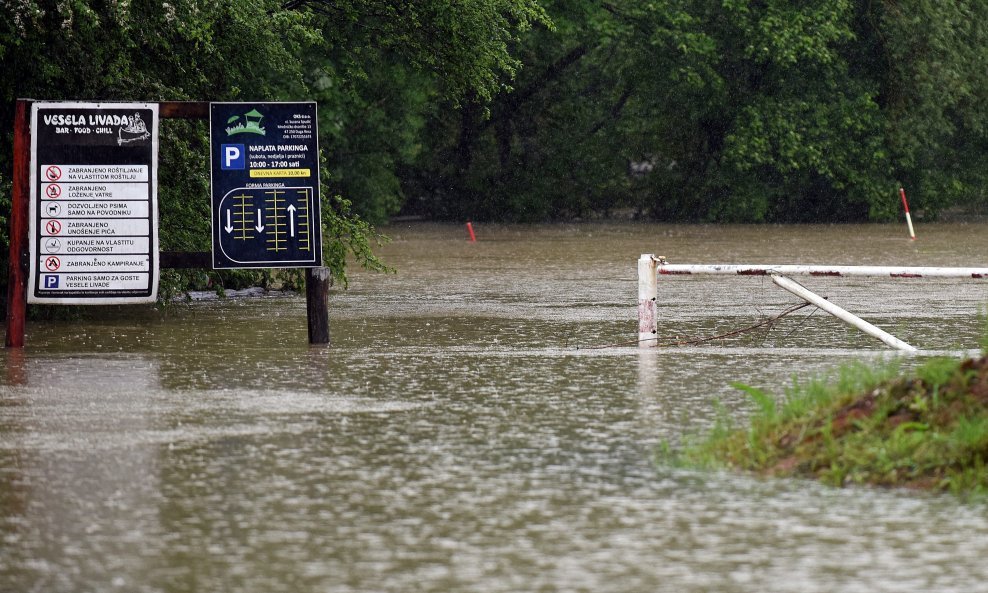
[17, 276]
[317, 280]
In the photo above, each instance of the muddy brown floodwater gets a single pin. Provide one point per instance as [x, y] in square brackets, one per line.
[462, 434]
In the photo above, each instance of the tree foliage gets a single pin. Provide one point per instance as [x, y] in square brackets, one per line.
[723, 110]
[376, 66]
[153, 51]
[384, 70]
[713, 110]
[933, 86]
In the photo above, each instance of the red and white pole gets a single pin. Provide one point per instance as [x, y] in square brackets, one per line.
[472, 237]
[909, 219]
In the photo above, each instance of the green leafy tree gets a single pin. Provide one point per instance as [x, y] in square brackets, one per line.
[378, 66]
[803, 137]
[543, 148]
[142, 50]
[383, 70]
[731, 110]
[927, 58]
[854, 99]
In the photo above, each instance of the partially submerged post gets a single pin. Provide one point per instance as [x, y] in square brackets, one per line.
[647, 305]
[317, 282]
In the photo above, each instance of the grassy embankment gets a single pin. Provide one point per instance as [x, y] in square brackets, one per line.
[871, 426]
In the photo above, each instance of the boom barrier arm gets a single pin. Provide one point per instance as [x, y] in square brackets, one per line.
[650, 267]
[817, 270]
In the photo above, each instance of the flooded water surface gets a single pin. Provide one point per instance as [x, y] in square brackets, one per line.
[484, 421]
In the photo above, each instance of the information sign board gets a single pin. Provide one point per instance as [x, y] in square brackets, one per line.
[265, 185]
[94, 203]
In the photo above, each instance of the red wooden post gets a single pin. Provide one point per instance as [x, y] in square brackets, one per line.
[17, 275]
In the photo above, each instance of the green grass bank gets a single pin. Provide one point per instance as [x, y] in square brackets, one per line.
[927, 430]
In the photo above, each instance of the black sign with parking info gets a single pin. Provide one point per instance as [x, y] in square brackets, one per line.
[265, 185]
[94, 212]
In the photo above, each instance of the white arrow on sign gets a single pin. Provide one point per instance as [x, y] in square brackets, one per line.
[229, 227]
[259, 226]
[291, 220]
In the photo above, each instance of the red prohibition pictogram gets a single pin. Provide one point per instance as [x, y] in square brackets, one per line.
[52, 263]
[53, 190]
[53, 173]
[53, 227]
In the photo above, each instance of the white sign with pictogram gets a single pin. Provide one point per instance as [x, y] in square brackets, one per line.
[94, 212]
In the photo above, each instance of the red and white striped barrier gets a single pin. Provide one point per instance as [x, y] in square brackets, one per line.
[817, 270]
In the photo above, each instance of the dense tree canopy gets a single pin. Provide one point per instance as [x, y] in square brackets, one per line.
[723, 110]
[713, 110]
[375, 65]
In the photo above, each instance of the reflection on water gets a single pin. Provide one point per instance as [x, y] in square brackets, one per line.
[76, 485]
[463, 435]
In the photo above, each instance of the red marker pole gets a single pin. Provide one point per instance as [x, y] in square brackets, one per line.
[473, 238]
[19, 213]
[909, 220]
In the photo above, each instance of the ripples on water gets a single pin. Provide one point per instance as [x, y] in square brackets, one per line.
[462, 434]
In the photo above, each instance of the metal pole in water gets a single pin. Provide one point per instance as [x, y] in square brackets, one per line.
[648, 292]
[845, 316]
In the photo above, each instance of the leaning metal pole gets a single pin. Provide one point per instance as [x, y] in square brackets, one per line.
[842, 314]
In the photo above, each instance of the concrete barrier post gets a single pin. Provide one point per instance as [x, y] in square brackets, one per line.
[647, 306]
